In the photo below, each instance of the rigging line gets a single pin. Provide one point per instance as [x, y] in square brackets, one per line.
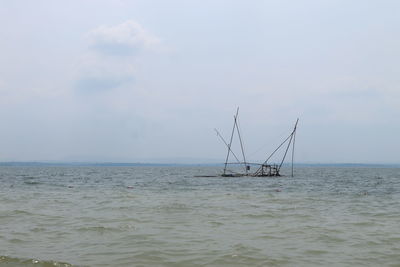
[277, 148]
[223, 140]
[294, 141]
[240, 129]
[266, 161]
[230, 142]
[275, 139]
[282, 142]
[241, 144]
[248, 163]
[287, 148]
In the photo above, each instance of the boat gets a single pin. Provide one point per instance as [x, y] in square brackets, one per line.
[264, 169]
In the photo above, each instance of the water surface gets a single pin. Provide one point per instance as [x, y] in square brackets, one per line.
[165, 216]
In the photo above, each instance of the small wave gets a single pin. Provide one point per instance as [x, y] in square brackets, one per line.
[21, 212]
[16, 240]
[38, 229]
[316, 251]
[176, 207]
[260, 216]
[99, 229]
[243, 259]
[10, 261]
[31, 182]
[216, 223]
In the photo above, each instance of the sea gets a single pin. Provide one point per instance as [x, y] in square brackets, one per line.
[176, 216]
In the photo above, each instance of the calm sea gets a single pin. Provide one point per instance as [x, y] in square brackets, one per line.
[165, 216]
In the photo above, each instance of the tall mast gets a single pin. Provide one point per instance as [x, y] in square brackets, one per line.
[230, 142]
[291, 138]
[294, 141]
[241, 144]
[226, 144]
[287, 148]
[290, 141]
[270, 156]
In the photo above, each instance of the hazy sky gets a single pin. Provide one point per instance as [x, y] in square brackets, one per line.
[142, 80]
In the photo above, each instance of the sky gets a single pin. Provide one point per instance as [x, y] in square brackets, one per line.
[149, 80]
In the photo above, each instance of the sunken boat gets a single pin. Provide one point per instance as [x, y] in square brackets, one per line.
[264, 169]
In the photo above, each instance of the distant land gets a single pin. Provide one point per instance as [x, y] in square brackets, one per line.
[149, 164]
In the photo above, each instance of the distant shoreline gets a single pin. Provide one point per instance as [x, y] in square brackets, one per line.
[149, 164]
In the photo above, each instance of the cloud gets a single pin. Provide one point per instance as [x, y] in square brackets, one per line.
[122, 39]
[90, 84]
[97, 73]
[110, 61]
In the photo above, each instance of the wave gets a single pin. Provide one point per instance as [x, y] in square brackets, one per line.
[10, 262]
[30, 182]
[99, 229]
[17, 212]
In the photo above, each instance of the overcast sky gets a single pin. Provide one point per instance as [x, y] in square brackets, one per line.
[149, 80]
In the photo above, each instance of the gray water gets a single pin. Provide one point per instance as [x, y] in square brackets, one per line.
[165, 216]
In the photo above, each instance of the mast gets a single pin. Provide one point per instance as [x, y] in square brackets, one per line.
[241, 144]
[270, 156]
[288, 146]
[265, 169]
[223, 140]
[230, 142]
[294, 141]
[291, 138]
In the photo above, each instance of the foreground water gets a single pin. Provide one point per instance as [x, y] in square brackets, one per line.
[165, 216]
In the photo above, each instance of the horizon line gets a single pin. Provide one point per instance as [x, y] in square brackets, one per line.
[138, 163]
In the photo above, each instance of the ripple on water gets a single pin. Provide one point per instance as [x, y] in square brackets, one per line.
[98, 229]
[10, 262]
[170, 218]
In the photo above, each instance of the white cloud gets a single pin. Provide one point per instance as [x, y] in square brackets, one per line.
[113, 52]
[122, 39]
[99, 73]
